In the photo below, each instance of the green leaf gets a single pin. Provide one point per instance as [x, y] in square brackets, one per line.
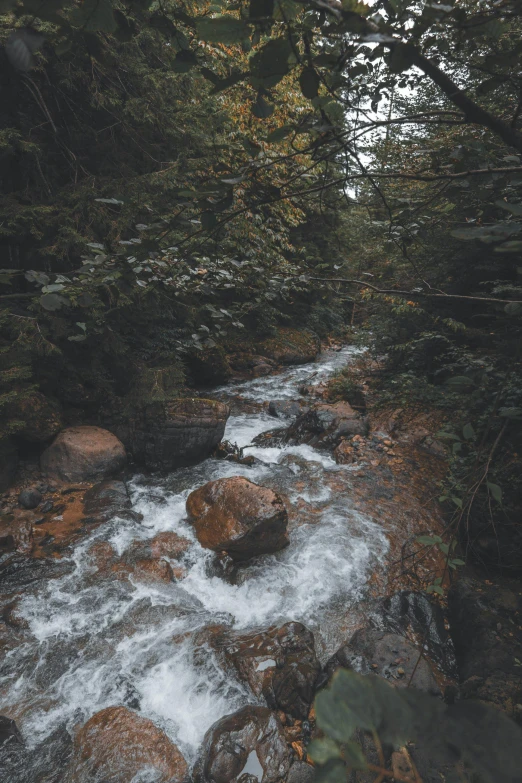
[429, 540]
[468, 432]
[495, 491]
[458, 562]
[52, 302]
[515, 209]
[94, 16]
[460, 383]
[332, 772]
[323, 750]
[270, 63]
[444, 548]
[261, 9]
[354, 756]
[510, 413]
[401, 58]
[208, 220]
[279, 133]
[184, 61]
[261, 108]
[435, 589]
[222, 29]
[309, 82]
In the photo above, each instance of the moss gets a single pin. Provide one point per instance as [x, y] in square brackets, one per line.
[156, 385]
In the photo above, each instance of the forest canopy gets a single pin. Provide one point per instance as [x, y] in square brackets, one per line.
[179, 175]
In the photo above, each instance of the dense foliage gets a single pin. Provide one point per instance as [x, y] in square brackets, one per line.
[176, 173]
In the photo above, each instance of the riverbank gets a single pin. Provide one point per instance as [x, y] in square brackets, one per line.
[133, 613]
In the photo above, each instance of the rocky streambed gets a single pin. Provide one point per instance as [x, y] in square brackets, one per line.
[186, 626]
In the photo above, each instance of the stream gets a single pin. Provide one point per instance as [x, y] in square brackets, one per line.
[93, 643]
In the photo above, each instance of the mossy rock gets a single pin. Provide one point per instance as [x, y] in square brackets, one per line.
[156, 385]
[291, 346]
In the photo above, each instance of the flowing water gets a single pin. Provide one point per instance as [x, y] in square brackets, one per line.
[96, 642]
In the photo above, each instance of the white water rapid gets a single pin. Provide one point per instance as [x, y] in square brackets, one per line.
[96, 642]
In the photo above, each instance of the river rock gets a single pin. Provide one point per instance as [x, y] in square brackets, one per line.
[388, 655]
[250, 741]
[16, 531]
[30, 498]
[419, 617]
[279, 664]
[175, 433]
[286, 409]
[485, 627]
[9, 733]
[83, 454]
[239, 517]
[291, 346]
[119, 746]
[324, 425]
[106, 500]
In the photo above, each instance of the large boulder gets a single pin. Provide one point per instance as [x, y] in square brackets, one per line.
[83, 454]
[485, 627]
[119, 746]
[388, 655]
[278, 664]
[251, 741]
[175, 433]
[236, 516]
[291, 346]
[325, 425]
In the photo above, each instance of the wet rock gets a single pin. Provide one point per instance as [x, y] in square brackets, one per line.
[16, 531]
[388, 655]
[30, 498]
[279, 664]
[9, 733]
[41, 417]
[261, 369]
[169, 544]
[239, 517]
[150, 571]
[276, 438]
[232, 453]
[301, 772]
[18, 571]
[250, 741]
[291, 346]
[286, 409]
[83, 454]
[11, 616]
[176, 433]
[119, 746]
[47, 506]
[485, 628]
[422, 620]
[324, 425]
[107, 500]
